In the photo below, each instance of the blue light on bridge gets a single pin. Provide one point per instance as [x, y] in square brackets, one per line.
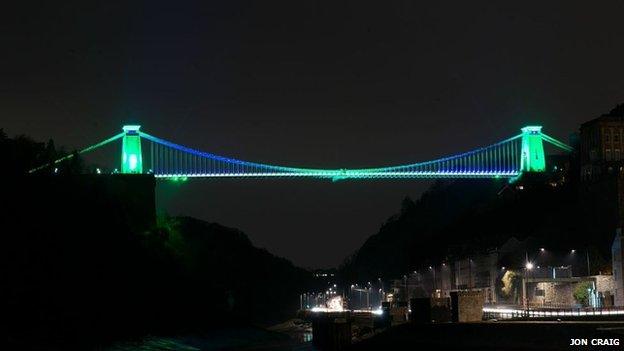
[505, 159]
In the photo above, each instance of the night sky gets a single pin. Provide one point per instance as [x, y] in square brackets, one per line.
[306, 83]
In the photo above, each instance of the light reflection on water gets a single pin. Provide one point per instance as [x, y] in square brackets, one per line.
[305, 337]
[216, 341]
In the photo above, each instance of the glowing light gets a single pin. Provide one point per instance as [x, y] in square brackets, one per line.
[508, 158]
[532, 152]
[496, 160]
[335, 303]
[133, 162]
[509, 312]
[529, 265]
[131, 158]
[354, 175]
[83, 151]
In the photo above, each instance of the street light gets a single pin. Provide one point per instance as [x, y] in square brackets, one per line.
[587, 259]
[434, 279]
[528, 266]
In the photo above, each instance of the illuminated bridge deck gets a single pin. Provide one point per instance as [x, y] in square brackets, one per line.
[145, 153]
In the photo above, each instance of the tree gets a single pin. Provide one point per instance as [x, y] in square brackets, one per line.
[509, 279]
[407, 205]
[617, 110]
[581, 293]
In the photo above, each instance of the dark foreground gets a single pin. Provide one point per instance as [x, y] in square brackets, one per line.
[250, 339]
[508, 336]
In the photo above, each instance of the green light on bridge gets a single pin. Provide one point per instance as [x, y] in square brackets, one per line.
[178, 179]
[131, 157]
[532, 157]
[505, 159]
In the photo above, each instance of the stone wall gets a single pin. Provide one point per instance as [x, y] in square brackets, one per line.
[555, 294]
[467, 306]
[561, 294]
[604, 283]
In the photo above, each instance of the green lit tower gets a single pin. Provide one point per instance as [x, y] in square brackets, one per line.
[131, 157]
[533, 159]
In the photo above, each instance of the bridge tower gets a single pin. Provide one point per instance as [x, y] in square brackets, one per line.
[131, 156]
[532, 153]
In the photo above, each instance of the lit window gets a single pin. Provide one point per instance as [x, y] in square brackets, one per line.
[608, 154]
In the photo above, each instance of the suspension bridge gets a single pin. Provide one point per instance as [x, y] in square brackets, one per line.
[145, 153]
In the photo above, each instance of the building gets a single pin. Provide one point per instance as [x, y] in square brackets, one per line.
[546, 286]
[617, 251]
[559, 292]
[477, 273]
[602, 145]
[602, 174]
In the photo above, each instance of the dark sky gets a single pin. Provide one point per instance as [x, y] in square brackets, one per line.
[307, 83]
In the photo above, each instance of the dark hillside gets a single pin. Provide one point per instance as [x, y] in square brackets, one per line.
[459, 218]
[256, 285]
[89, 262]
